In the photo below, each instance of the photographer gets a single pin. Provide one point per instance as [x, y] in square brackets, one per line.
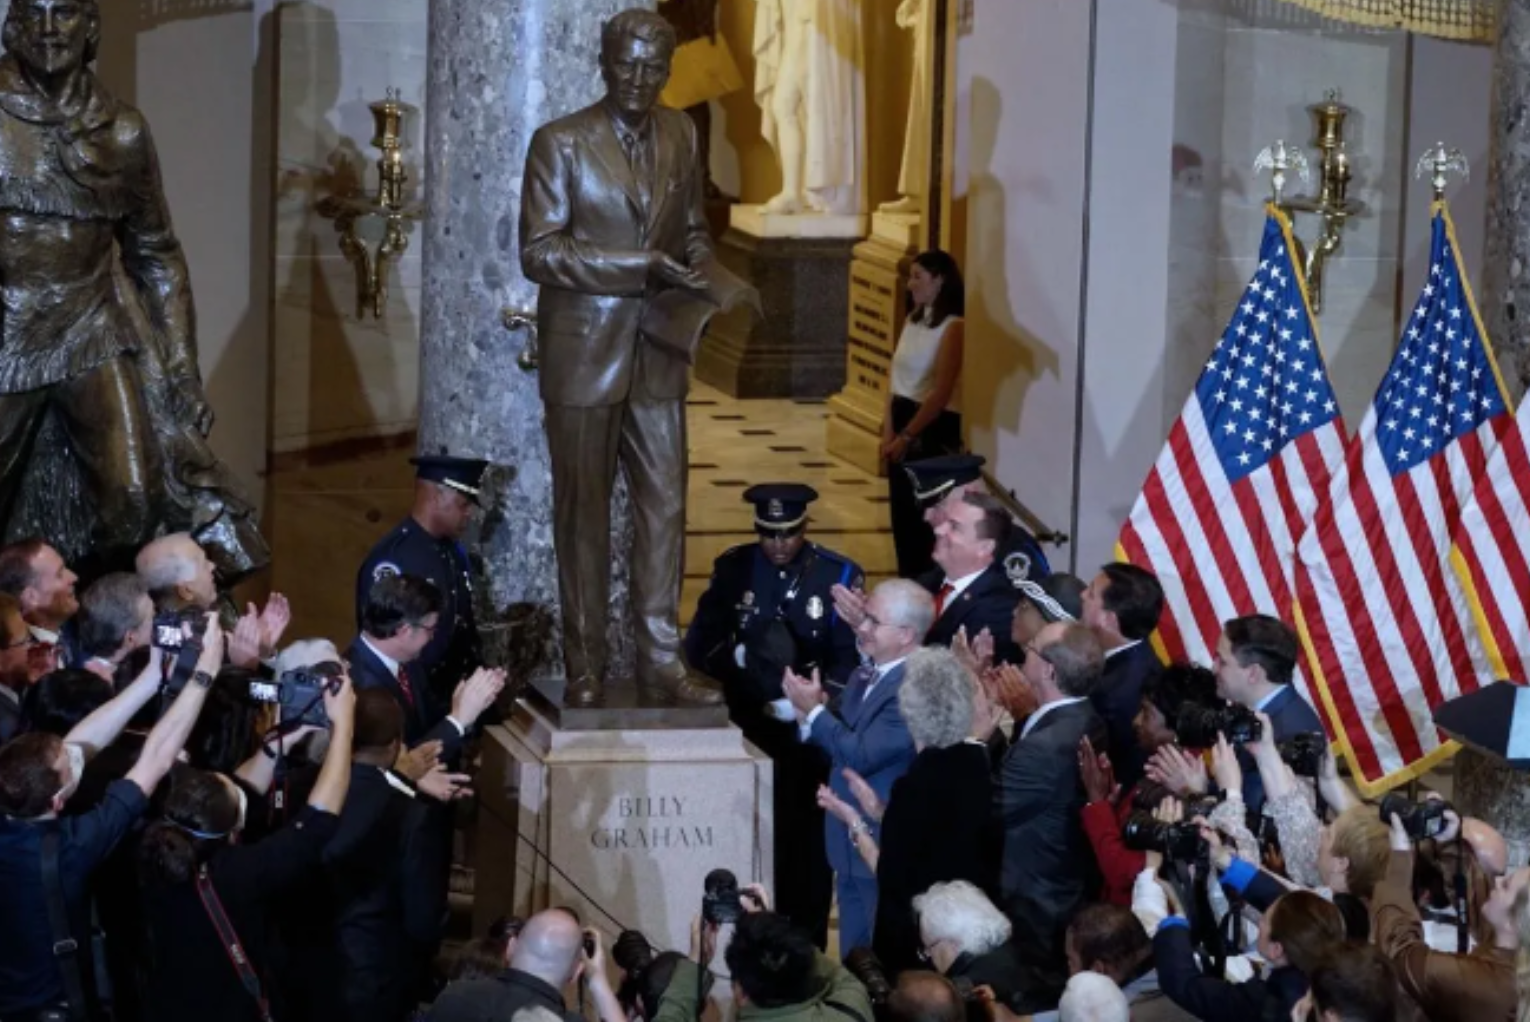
[207, 896]
[1450, 988]
[1297, 934]
[47, 861]
[777, 973]
[1109, 940]
[549, 953]
[1164, 695]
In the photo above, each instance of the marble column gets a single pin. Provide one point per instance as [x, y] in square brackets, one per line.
[498, 70]
[1484, 786]
[1506, 263]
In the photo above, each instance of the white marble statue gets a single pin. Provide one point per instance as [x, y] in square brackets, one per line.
[918, 16]
[810, 83]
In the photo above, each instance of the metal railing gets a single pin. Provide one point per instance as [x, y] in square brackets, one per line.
[1043, 532]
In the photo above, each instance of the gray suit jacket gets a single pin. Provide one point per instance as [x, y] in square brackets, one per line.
[586, 237]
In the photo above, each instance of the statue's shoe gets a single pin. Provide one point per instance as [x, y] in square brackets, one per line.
[673, 683]
[585, 690]
[785, 205]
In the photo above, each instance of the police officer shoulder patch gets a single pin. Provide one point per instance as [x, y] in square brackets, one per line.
[385, 569]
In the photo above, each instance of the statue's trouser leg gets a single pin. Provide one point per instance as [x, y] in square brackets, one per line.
[582, 444]
[653, 451]
[103, 414]
[20, 417]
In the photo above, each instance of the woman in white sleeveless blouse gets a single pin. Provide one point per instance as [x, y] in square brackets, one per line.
[923, 418]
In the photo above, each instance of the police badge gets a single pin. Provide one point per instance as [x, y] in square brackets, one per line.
[1018, 567]
[748, 597]
[814, 607]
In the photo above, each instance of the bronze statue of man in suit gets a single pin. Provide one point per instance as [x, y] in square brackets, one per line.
[611, 215]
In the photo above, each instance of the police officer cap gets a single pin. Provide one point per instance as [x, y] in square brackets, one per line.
[780, 507]
[934, 478]
[465, 475]
[1058, 597]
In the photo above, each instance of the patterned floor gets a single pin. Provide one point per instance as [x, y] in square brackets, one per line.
[325, 514]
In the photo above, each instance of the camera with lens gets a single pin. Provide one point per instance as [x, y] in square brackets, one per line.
[170, 632]
[1199, 726]
[1421, 821]
[719, 898]
[864, 965]
[299, 694]
[1178, 842]
[1303, 753]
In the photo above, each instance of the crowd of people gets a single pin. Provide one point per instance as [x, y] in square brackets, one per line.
[1027, 815]
[1019, 812]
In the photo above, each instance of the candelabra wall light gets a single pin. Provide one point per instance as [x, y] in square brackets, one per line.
[390, 206]
[1332, 204]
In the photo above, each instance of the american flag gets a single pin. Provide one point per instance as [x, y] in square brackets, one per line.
[1244, 466]
[1385, 621]
[1492, 557]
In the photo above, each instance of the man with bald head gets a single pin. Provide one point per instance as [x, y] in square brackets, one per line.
[925, 997]
[548, 955]
[864, 732]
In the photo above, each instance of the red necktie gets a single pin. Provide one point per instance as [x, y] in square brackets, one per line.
[946, 590]
[403, 683]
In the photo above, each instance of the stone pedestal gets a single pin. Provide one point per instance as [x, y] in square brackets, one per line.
[877, 288]
[622, 825]
[797, 349]
[1488, 788]
[498, 70]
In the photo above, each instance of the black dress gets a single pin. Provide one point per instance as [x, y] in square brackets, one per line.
[937, 828]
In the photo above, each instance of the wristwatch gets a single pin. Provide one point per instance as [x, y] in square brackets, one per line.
[203, 679]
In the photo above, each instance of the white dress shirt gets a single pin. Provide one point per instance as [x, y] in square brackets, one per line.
[1042, 711]
[393, 665]
[958, 586]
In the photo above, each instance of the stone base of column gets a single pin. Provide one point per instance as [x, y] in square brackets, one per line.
[1489, 789]
[797, 350]
[878, 284]
[623, 824]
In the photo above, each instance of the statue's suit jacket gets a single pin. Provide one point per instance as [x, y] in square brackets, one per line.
[585, 238]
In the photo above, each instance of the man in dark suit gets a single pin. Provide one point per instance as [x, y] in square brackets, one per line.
[36, 575]
[611, 216]
[768, 608]
[1122, 605]
[382, 900]
[939, 484]
[864, 732]
[397, 622]
[1047, 864]
[1256, 658]
[971, 586]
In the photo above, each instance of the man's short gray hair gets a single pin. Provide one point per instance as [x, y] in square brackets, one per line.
[164, 564]
[1091, 997]
[909, 605]
[959, 912]
[936, 698]
[648, 26]
[109, 610]
[1078, 659]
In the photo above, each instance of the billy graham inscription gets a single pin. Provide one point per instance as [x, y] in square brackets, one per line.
[650, 822]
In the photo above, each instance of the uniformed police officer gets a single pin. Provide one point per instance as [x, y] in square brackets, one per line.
[938, 482]
[427, 544]
[768, 608]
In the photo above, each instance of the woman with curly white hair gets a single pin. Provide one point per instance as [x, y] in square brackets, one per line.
[935, 826]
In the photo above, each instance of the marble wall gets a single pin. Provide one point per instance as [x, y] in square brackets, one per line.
[1185, 94]
[336, 376]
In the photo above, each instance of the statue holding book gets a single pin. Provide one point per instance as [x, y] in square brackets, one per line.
[612, 229]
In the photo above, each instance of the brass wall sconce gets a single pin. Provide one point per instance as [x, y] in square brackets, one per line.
[389, 205]
[1332, 203]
